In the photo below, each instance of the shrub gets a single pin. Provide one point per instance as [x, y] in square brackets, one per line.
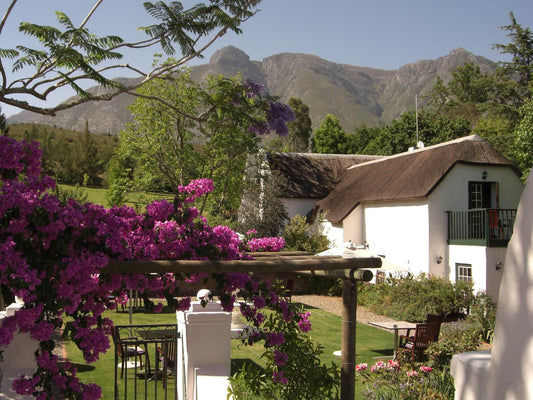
[64, 194]
[483, 316]
[301, 236]
[411, 298]
[293, 368]
[455, 337]
[326, 286]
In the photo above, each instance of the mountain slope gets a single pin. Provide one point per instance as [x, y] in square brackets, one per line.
[356, 95]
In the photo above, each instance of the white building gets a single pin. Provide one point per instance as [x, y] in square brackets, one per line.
[446, 210]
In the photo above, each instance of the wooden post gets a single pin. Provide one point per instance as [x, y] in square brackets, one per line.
[349, 302]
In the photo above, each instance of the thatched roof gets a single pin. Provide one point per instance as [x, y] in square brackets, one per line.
[314, 176]
[406, 176]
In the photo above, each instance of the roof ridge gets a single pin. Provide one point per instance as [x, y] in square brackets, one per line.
[322, 155]
[473, 138]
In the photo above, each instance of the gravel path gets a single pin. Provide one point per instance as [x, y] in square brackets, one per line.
[334, 306]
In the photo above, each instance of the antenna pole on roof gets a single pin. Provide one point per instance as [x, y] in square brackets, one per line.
[416, 114]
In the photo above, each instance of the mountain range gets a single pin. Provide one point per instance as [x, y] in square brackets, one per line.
[355, 95]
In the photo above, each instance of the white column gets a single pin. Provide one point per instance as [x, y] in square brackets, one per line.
[204, 354]
[18, 359]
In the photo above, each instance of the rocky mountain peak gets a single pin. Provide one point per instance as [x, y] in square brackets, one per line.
[229, 56]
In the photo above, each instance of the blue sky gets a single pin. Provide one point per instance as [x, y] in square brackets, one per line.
[383, 34]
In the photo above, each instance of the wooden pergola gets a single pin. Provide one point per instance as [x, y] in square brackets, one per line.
[349, 269]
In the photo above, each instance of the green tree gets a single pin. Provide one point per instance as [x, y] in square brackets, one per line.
[499, 131]
[401, 134]
[4, 129]
[524, 138]
[329, 137]
[73, 54]
[201, 130]
[119, 177]
[520, 48]
[470, 93]
[262, 208]
[300, 129]
[88, 158]
[359, 141]
[299, 235]
[160, 139]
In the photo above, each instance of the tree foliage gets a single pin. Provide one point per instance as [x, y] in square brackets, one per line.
[524, 138]
[300, 129]
[4, 129]
[69, 55]
[203, 129]
[520, 48]
[329, 137]
[494, 102]
[401, 134]
[262, 209]
[70, 157]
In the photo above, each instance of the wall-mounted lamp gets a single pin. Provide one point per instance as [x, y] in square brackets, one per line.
[484, 175]
[499, 265]
[439, 259]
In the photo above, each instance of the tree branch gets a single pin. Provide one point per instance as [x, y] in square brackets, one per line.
[52, 65]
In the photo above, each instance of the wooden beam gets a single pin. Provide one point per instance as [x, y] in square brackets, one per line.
[263, 264]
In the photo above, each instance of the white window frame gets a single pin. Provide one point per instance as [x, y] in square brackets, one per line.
[460, 275]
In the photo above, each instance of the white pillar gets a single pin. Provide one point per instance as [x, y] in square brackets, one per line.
[18, 359]
[204, 353]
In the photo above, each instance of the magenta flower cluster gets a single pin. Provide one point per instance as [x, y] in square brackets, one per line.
[52, 254]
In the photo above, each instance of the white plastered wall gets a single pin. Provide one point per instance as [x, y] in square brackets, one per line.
[399, 231]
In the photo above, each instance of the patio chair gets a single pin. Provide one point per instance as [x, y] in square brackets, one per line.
[430, 319]
[167, 356]
[124, 351]
[419, 342]
[288, 290]
[437, 320]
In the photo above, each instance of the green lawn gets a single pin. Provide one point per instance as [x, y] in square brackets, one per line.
[371, 342]
[96, 195]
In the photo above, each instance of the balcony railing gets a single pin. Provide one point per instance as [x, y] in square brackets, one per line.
[488, 227]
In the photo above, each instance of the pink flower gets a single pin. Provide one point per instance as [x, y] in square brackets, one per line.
[259, 302]
[280, 358]
[304, 323]
[279, 377]
[412, 373]
[361, 367]
[393, 365]
[378, 366]
[425, 368]
[275, 339]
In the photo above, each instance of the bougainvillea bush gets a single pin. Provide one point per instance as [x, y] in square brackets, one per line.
[52, 254]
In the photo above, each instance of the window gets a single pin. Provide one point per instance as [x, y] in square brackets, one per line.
[463, 272]
[476, 195]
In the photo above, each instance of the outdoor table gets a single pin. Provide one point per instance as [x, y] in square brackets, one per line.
[395, 326]
[145, 335]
